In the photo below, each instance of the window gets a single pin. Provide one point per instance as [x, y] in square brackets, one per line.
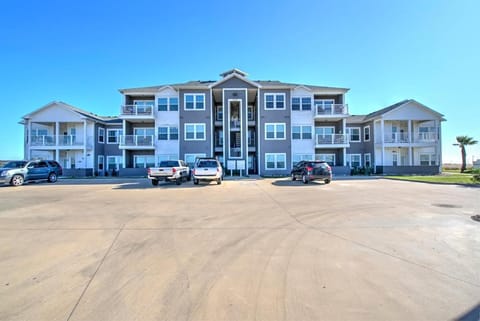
[101, 135]
[355, 160]
[167, 104]
[302, 132]
[194, 102]
[329, 158]
[354, 134]
[428, 159]
[275, 161]
[143, 161]
[144, 106]
[366, 133]
[194, 131]
[114, 162]
[274, 131]
[190, 159]
[299, 157]
[301, 103]
[167, 133]
[367, 159]
[219, 113]
[324, 106]
[100, 162]
[251, 113]
[113, 136]
[274, 101]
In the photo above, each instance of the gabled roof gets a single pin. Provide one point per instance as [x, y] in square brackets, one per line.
[390, 108]
[105, 119]
[234, 74]
[234, 70]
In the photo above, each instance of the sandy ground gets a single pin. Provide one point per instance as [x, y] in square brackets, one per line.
[245, 250]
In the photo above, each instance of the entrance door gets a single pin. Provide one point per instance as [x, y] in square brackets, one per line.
[395, 158]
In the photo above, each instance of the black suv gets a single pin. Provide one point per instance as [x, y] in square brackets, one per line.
[17, 172]
[312, 170]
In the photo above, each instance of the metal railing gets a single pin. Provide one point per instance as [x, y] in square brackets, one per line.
[331, 109]
[137, 141]
[42, 140]
[425, 137]
[396, 138]
[59, 140]
[331, 139]
[136, 110]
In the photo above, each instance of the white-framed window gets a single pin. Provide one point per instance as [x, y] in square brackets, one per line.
[167, 104]
[275, 161]
[101, 163]
[250, 113]
[301, 132]
[299, 157]
[191, 158]
[274, 101]
[101, 135]
[275, 131]
[428, 159]
[194, 102]
[195, 131]
[167, 133]
[219, 113]
[354, 134]
[114, 162]
[113, 136]
[355, 160]
[166, 157]
[367, 159]
[366, 133]
[143, 161]
[329, 158]
[144, 131]
[301, 103]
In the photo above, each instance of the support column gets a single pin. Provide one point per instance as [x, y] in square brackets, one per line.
[344, 156]
[382, 139]
[28, 152]
[410, 133]
[57, 133]
[85, 143]
[410, 155]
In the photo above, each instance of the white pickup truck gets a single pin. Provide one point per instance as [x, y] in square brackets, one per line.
[171, 170]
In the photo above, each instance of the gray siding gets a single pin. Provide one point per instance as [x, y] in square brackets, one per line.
[234, 83]
[195, 116]
[274, 146]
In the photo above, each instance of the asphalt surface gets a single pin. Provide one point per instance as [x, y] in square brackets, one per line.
[267, 249]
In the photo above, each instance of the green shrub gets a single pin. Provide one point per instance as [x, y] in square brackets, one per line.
[476, 178]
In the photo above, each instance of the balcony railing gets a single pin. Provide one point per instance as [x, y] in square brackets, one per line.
[136, 141]
[396, 138]
[425, 137]
[136, 110]
[331, 110]
[235, 152]
[59, 140]
[332, 139]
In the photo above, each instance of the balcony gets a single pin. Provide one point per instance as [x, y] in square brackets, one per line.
[425, 137]
[59, 141]
[331, 111]
[331, 141]
[136, 142]
[396, 138]
[136, 112]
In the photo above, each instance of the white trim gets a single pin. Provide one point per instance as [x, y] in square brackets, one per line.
[350, 134]
[195, 131]
[301, 103]
[276, 161]
[98, 135]
[145, 163]
[236, 75]
[275, 131]
[274, 94]
[169, 132]
[194, 101]
[323, 158]
[302, 132]
[228, 127]
[350, 159]
[98, 162]
[369, 133]
[311, 156]
[168, 98]
[119, 133]
[212, 124]
[369, 159]
[117, 162]
[196, 155]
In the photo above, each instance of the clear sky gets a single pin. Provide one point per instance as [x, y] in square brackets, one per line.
[82, 52]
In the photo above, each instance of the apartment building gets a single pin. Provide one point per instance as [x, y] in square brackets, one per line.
[252, 126]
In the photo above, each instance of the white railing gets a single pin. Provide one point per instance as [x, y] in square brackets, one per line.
[137, 141]
[136, 110]
[396, 138]
[331, 109]
[59, 140]
[425, 137]
[331, 139]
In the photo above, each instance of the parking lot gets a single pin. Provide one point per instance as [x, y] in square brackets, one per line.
[249, 249]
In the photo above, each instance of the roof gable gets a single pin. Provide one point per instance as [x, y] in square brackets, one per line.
[232, 76]
[406, 109]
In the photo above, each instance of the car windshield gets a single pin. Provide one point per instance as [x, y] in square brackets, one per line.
[18, 164]
[202, 164]
[168, 164]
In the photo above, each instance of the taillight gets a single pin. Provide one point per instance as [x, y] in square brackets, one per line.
[193, 171]
[174, 170]
[309, 169]
[148, 171]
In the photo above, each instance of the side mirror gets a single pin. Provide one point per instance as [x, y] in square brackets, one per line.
[30, 166]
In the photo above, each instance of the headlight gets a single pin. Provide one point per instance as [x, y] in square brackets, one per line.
[3, 173]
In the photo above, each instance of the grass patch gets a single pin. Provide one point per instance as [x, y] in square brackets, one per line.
[456, 178]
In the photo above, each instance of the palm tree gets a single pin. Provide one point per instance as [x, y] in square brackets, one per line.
[463, 141]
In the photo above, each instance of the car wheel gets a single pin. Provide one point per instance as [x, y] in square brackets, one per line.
[327, 181]
[293, 177]
[154, 182]
[178, 181]
[219, 181]
[17, 180]
[52, 178]
[195, 181]
[305, 179]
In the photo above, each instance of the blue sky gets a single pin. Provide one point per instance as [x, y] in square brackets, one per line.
[81, 52]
